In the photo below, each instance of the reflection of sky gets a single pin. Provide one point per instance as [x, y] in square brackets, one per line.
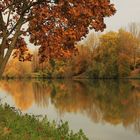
[127, 12]
[4, 98]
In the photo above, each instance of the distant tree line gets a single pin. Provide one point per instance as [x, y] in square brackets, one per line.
[108, 55]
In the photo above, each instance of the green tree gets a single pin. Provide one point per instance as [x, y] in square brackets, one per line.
[105, 56]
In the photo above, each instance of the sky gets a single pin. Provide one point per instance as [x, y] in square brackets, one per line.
[128, 11]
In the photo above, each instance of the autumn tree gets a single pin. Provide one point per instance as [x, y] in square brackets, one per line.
[115, 56]
[128, 48]
[54, 25]
[134, 28]
[17, 69]
[105, 56]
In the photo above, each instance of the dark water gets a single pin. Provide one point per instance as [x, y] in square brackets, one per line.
[105, 110]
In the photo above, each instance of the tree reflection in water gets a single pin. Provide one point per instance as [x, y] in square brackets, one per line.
[115, 102]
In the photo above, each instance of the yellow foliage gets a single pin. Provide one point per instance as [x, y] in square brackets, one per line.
[15, 68]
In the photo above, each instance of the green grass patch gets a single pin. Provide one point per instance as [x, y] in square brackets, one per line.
[16, 126]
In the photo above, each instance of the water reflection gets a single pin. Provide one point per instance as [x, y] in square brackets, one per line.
[21, 92]
[114, 102]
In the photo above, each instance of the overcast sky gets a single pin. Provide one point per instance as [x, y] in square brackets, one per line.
[127, 11]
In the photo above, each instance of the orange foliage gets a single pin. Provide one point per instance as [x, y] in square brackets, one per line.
[18, 69]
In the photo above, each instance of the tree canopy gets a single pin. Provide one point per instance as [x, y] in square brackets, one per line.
[54, 25]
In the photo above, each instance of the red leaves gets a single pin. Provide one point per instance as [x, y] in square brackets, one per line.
[57, 26]
[63, 24]
[22, 51]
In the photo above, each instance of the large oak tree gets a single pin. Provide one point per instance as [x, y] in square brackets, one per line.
[54, 25]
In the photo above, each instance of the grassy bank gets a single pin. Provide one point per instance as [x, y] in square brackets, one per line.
[15, 126]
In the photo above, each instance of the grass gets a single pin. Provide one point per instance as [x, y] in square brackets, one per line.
[16, 126]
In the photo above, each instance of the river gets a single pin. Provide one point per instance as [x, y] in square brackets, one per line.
[103, 109]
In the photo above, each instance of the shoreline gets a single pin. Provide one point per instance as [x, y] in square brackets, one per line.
[70, 78]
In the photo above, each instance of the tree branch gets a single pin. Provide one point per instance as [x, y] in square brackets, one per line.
[2, 24]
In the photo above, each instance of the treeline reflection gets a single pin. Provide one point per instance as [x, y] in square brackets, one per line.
[115, 102]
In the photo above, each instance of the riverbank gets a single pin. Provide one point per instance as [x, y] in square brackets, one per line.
[131, 77]
[14, 126]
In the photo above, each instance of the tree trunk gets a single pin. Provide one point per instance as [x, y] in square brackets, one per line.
[9, 51]
[1, 56]
[4, 62]
[134, 58]
[2, 47]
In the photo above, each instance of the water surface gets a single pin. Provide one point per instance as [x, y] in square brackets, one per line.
[105, 110]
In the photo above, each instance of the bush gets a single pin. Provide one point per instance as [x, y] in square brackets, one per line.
[15, 126]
